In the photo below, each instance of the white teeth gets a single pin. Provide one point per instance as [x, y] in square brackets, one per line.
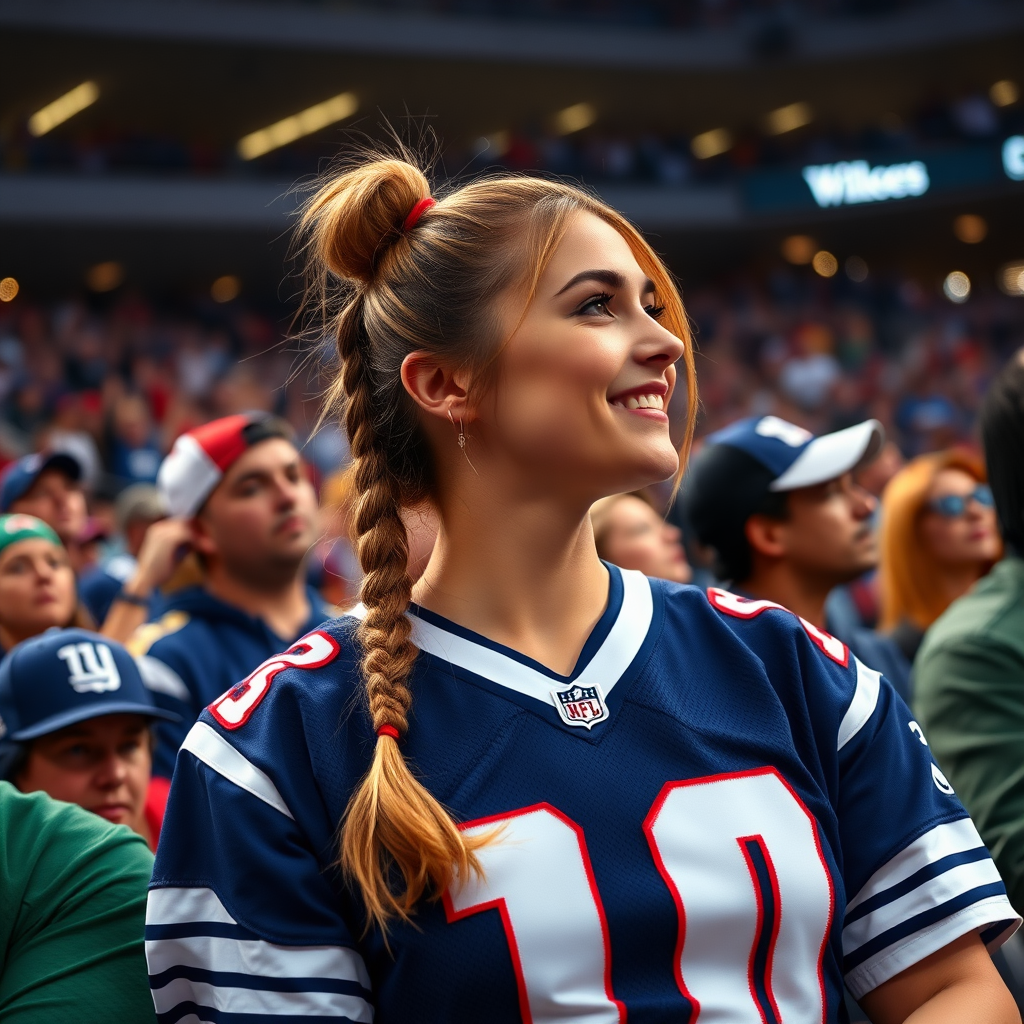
[640, 402]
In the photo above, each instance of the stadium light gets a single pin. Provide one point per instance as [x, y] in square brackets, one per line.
[798, 249]
[104, 277]
[788, 118]
[1004, 93]
[305, 122]
[8, 289]
[1011, 279]
[825, 264]
[712, 143]
[575, 118]
[970, 228]
[957, 286]
[63, 107]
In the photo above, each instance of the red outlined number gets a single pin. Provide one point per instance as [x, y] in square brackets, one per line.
[744, 608]
[233, 708]
[540, 865]
[740, 855]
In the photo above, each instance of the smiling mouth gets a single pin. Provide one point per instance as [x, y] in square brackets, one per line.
[641, 402]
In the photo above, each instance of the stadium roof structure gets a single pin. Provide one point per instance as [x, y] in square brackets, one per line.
[190, 79]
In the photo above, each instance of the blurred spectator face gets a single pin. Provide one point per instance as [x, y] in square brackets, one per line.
[132, 422]
[102, 764]
[58, 501]
[827, 532]
[877, 473]
[634, 536]
[957, 528]
[262, 518]
[37, 589]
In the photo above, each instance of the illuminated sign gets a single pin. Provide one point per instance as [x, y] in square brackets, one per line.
[856, 181]
[1013, 157]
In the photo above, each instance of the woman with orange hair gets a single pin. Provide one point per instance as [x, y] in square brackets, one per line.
[938, 538]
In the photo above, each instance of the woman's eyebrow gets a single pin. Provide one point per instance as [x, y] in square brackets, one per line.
[612, 278]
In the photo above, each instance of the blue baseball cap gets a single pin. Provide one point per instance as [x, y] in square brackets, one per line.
[19, 476]
[795, 457]
[64, 676]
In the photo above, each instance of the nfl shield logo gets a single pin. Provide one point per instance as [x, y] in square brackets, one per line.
[580, 705]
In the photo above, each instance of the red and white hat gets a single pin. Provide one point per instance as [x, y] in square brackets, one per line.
[200, 458]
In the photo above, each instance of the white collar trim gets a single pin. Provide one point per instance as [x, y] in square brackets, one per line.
[605, 669]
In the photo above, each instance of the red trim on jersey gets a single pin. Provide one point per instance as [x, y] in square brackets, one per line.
[261, 677]
[499, 904]
[746, 608]
[652, 817]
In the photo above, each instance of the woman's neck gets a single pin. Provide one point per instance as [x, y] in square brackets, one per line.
[525, 575]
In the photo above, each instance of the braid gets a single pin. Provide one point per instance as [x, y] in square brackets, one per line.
[392, 820]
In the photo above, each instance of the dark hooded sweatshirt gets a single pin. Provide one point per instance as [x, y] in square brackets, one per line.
[198, 646]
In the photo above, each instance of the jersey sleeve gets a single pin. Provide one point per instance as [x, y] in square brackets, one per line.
[244, 920]
[915, 871]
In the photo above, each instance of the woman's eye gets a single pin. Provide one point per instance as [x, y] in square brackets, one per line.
[596, 306]
[654, 312]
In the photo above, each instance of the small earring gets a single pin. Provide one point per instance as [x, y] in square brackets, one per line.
[462, 430]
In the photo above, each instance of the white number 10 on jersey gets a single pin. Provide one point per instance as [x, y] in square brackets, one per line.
[733, 851]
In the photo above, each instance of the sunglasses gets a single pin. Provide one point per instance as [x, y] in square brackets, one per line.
[951, 506]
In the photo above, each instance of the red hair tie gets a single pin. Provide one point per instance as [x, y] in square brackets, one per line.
[388, 730]
[416, 212]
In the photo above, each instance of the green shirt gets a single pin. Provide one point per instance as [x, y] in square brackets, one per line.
[969, 699]
[72, 914]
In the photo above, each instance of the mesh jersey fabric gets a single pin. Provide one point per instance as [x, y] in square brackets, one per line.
[718, 809]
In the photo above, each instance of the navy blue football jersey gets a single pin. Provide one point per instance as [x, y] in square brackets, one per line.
[719, 814]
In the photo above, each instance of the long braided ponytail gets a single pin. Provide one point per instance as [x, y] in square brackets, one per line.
[384, 292]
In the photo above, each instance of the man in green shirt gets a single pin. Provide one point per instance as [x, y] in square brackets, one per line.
[969, 672]
[72, 914]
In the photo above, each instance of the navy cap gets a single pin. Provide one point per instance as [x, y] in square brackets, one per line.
[795, 457]
[64, 676]
[22, 474]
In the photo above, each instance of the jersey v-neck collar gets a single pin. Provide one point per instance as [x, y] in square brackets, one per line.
[608, 659]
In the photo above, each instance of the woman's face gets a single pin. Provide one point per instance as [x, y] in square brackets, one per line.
[584, 381]
[37, 588]
[960, 540]
[102, 764]
[636, 537]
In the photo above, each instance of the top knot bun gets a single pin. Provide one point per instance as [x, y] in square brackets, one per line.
[353, 219]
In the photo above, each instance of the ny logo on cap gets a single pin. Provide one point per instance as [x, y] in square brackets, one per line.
[91, 667]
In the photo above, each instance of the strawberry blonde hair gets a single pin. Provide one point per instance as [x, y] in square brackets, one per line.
[382, 292]
[908, 580]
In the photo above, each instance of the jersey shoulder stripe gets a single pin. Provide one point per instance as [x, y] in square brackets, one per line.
[210, 747]
[862, 707]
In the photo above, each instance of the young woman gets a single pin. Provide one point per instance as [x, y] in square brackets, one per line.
[565, 792]
[37, 583]
[938, 538]
[630, 534]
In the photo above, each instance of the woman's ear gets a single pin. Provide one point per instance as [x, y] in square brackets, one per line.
[435, 387]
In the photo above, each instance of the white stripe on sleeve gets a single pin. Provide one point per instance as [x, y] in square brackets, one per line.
[179, 906]
[261, 1001]
[213, 750]
[931, 893]
[941, 841]
[861, 708]
[912, 949]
